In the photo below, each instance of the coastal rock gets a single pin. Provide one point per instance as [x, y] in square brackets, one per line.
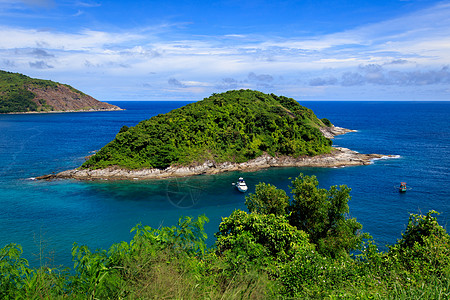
[339, 157]
[331, 132]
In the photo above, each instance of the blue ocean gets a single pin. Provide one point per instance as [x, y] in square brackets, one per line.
[47, 217]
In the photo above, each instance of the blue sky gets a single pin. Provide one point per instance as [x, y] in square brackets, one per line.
[187, 50]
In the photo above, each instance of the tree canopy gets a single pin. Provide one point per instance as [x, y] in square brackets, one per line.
[15, 95]
[321, 213]
[267, 200]
[235, 126]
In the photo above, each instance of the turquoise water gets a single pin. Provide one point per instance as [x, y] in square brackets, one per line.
[48, 216]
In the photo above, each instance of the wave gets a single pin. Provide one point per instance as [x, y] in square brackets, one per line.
[387, 157]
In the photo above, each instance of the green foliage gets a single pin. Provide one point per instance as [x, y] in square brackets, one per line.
[326, 122]
[259, 238]
[424, 248]
[235, 126]
[189, 236]
[319, 212]
[322, 214]
[319, 276]
[17, 100]
[16, 97]
[420, 229]
[13, 268]
[255, 257]
[123, 128]
[267, 200]
[44, 105]
[18, 281]
[96, 277]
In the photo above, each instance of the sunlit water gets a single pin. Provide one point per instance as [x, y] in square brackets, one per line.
[49, 216]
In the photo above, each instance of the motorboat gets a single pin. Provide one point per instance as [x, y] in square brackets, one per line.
[241, 185]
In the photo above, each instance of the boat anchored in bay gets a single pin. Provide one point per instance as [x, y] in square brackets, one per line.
[241, 185]
[402, 188]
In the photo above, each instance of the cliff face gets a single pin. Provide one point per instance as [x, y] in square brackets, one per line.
[21, 94]
[63, 98]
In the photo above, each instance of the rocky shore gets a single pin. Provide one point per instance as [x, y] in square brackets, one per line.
[64, 111]
[331, 132]
[339, 157]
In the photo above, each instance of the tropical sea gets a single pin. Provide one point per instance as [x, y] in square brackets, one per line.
[47, 217]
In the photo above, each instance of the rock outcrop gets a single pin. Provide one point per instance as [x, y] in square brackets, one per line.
[331, 132]
[63, 98]
[339, 157]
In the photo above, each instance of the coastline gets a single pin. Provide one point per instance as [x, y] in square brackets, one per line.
[62, 111]
[339, 157]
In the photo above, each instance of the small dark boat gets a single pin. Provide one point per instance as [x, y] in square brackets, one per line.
[402, 188]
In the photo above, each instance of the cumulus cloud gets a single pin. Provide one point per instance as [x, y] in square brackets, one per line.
[373, 73]
[318, 81]
[176, 83]
[89, 64]
[376, 74]
[262, 77]
[8, 63]
[40, 53]
[40, 65]
[397, 62]
[351, 79]
[227, 84]
[441, 76]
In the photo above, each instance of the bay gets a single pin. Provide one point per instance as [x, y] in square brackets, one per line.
[47, 217]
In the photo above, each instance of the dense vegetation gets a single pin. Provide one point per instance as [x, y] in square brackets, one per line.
[259, 255]
[15, 96]
[235, 126]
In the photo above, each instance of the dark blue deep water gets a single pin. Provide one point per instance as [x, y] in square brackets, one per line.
[47, 217]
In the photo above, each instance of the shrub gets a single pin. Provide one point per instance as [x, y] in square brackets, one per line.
[267, 200]
[323, 215]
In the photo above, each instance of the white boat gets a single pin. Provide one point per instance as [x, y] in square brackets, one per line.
[241, 185]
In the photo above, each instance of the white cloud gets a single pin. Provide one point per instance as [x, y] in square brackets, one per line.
[84, 40]
[415, 46]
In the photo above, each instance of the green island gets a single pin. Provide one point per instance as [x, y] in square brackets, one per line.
[300, 247]
[235, 126]
[22, 94]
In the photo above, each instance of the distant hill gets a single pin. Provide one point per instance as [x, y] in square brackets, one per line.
[20, 93]
[235, 127]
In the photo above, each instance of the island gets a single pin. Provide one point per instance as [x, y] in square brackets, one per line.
[236, 130]
[22, 94]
